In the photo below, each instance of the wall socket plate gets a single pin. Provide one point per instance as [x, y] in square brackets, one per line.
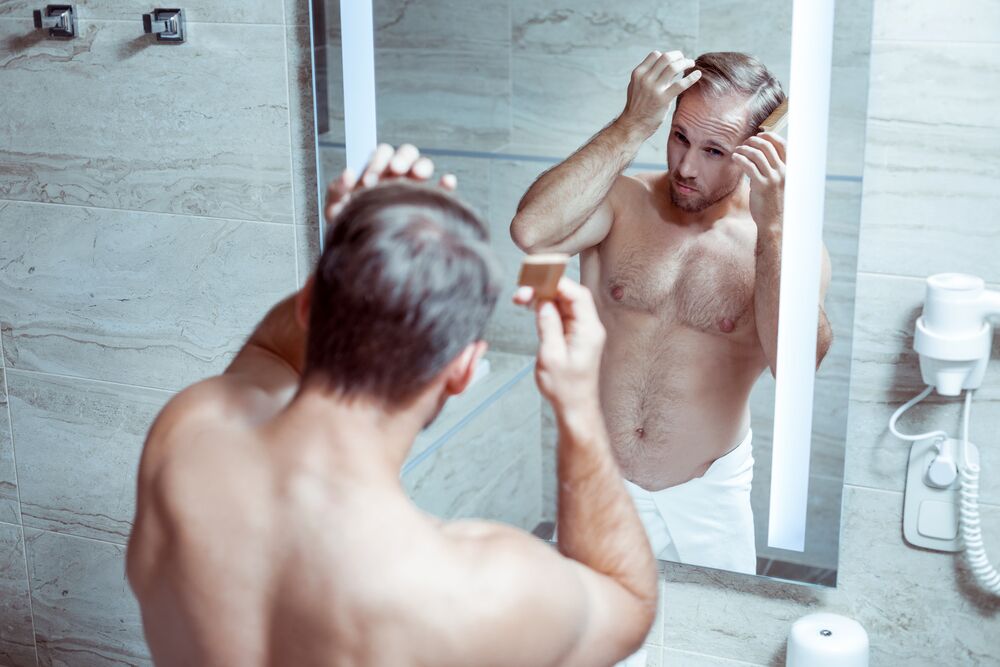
[930, 514]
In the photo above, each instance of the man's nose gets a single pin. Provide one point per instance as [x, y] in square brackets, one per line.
[688, 167]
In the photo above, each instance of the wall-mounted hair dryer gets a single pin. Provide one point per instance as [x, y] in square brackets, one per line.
[954, 335]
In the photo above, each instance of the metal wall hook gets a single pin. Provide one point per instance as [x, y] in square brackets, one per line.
[60, 20]
[166, 24]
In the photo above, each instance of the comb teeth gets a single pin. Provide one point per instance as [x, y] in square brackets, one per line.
[777, 120]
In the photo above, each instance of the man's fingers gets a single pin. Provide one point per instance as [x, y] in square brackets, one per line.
[644, 66]
[657, 68]
[422, 169]
[576, 302]
[679, 87]
[749, 168]
[403, 160]
[769, 151]
[757, 157]
[524, 295]
[449, 182]
[775, 140]
[337, 192]
[674, 70]
[551, 338]
[377, 165]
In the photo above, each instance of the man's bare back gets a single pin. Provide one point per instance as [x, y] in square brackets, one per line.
[271, 526]
[682, 351]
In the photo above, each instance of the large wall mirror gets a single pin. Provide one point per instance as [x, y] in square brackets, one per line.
[498, 93]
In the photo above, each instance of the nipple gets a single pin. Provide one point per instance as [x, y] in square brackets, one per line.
[640, 431]
[726, 325]
[617, 292]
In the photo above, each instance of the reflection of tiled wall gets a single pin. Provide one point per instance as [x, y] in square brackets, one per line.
[155, 200]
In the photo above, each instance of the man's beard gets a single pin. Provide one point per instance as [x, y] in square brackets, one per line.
[699, 204]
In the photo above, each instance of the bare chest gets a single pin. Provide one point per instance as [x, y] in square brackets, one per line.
[703, 279]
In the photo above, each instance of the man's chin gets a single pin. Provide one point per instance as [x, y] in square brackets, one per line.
[685, 203]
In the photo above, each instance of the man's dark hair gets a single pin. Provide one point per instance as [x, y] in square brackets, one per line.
[406, 281]
[732, 73]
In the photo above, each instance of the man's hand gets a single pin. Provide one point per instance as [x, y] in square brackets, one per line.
[762, 158]
[385, 164]
[656, 82]
[571, 341]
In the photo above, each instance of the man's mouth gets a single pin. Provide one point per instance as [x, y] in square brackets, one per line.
[685, 189]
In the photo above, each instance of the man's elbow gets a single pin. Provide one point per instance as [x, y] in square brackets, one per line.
[522, 234]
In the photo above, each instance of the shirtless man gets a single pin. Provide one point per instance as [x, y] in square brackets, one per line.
[684, 266]
[271, 526]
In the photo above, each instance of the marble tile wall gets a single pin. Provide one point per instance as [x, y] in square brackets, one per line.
[155, 201]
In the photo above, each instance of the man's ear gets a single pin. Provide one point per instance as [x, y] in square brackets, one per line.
[463, 367]
[303, 302]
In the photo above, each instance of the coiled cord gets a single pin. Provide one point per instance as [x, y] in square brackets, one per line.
[969, 519]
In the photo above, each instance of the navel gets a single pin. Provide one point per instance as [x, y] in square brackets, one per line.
[726, 325]
[617, 292]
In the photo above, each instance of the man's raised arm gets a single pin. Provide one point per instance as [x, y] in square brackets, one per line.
[567, 208]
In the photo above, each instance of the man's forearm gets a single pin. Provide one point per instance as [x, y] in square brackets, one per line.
[564, 197]
[767, 288]
[598, 524]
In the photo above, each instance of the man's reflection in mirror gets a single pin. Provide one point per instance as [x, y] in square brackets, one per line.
[685, 267]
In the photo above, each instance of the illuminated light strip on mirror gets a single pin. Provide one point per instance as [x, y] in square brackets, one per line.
[802, 242]
[357, 30]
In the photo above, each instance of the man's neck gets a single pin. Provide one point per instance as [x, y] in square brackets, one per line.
[357, 437]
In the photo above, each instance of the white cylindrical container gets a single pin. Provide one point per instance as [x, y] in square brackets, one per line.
[827, 640]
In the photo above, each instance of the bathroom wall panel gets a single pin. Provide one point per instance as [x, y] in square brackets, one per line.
[512, 327]
[196, 11]
[894, 591]
[428, 97]
[79, 444]
[17, 641]
[561, 101]
[924, 86]
[931, 200]
[9, 507]
[886, 374]
[595, 28]
[83, 132]
[968, 21]
[84, 611]
[138, 298]
[763, 30]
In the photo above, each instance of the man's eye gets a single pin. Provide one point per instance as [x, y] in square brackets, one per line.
[714, 152]
[680, 137]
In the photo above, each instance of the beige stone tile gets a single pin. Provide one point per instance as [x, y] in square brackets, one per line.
[930, 201]
[17, 639]
[79, 444]
[84, 611]
[961, 84]
[82, 132]
[590, 27]
[138, 298]
[9, 507]
[968, 21]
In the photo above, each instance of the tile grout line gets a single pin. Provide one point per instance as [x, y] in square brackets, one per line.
[155, 213]
[20, 510]
[82, 378]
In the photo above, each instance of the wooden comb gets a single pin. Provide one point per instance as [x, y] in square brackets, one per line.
[778, 119]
